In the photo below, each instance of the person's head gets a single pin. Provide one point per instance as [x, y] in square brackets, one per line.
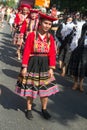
[60, 16]
[25, 8]
[54, 7]
[46, 22]
[45, 25]
[77, 16]
[69, 18]
[33, 13]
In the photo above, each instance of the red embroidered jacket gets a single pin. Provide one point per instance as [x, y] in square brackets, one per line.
[17, 19]
[40, 46]
[27, 22]
[20, 18]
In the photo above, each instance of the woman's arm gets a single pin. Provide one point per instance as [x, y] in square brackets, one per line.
[28, 49]
[52, 54]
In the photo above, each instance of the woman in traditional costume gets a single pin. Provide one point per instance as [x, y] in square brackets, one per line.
[38, 64]
[30, 24]
[23, 13]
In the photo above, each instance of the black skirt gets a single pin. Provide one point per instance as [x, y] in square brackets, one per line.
[64, 54]
[37, 80]
[78, 62]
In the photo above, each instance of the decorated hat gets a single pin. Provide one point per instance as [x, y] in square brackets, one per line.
[47, 16]
[34, 10]
[26, 5]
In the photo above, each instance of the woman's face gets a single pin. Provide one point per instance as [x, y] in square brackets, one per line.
[33, 15]
[46, 25]
[69, 19]
[25, 10]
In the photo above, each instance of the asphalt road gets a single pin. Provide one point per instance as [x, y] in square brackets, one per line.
[68, 108]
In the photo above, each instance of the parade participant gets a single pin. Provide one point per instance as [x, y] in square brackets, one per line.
[53, 32]
[30, 24]
[78, 62]
[77, 17]
[38, 64]
[23, 13]
[1, 18]
[8, 13]
[66, 38]
[11, 20]
[54, 11]
[2, 15]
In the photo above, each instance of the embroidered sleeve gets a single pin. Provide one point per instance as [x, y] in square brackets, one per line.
[27, 49]
[23, 28]
[17, 19]
[52, 54]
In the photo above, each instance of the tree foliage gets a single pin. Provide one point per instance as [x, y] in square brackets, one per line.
[73, 5]
[11, 3]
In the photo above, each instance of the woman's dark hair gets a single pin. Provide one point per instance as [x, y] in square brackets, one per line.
[54, 6]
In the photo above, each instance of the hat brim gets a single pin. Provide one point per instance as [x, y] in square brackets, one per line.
[34, 11]
[26, 5]
[47, 17]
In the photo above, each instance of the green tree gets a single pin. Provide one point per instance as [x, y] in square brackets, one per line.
[11, 3]
[73, 5]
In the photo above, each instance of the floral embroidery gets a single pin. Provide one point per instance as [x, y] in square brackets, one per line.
[41, 45]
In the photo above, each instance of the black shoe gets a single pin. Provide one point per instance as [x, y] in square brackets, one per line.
[46, 115]
[29, 114]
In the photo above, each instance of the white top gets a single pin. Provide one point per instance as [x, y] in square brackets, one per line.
[74, 42]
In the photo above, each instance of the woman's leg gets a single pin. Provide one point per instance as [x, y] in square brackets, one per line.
[29, 103]
[75, 86]
[44, 101]
[19, 52]
[29, 108]
[63, 71]
[81, 84]
[60, 64]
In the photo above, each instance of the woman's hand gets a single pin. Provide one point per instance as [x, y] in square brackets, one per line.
[51, 73]
[24, 72]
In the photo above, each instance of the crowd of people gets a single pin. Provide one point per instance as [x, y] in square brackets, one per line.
[42, 39]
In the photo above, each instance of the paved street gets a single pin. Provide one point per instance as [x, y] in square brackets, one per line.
[68, 108]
